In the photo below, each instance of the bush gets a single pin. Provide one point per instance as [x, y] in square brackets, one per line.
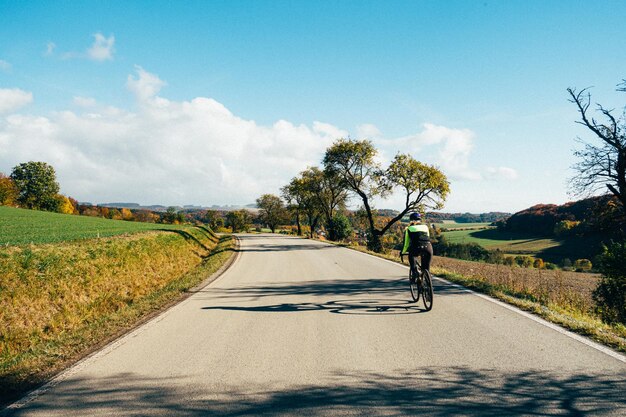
[611, 291]
[539, 263]
[582, 265]
[524, 261]
[339, 227]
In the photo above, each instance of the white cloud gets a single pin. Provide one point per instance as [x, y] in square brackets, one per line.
[192, 152]
[50, 47]
[84, 101]
[502, 173]
[13, 99]
[146, 86]
[4, 65]
[368, 131]
[454, 147]
[167, 152]
[102, 48]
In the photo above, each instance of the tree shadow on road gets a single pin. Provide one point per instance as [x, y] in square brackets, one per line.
[439, 392]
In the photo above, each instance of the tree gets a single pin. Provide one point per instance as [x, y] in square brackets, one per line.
[272, 210]
[238, 220]
[314, 194]
[340, 227]
[65, 205]
[293, 195]
[328, 194]
[602, 165]
[213, 219]
[611, 291]
[354, 162]
[8, 191]
[37, 186]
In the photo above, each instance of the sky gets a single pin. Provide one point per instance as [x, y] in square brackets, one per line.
[219, 102]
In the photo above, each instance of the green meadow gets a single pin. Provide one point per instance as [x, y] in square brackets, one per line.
[22, 227]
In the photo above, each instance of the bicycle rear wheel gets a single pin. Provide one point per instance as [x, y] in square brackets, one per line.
[415, 293]
[427, 293]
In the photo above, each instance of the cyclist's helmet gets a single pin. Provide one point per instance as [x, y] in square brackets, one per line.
[415, 216]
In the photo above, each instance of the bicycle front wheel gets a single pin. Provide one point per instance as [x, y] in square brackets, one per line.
[427, 293]
[415, 293]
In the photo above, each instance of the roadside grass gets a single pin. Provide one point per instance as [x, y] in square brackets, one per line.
[59, 302]
[23, 227]
[561, 297]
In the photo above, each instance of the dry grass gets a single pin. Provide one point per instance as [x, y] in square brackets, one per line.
[570, 290]
[561, 297]
[59, 300]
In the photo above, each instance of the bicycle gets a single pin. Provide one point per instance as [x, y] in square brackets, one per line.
[420, 283]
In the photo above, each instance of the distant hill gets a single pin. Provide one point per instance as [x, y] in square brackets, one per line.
[490, 217]
[594, 215]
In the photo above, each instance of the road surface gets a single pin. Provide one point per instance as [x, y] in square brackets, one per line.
[297, 327]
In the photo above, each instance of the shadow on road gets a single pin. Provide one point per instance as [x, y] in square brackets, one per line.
[331, 287]
[352, 306]
[427, 391]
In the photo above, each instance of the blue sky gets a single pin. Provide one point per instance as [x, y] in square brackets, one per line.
[217, 102]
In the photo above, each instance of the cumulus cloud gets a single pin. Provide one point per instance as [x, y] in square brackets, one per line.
[167, 152]
[191, 152]
[454, 148]
[13, 99]
[102, 48]
[4, 65]
[502, 173]
[368, 131]
[146, 86]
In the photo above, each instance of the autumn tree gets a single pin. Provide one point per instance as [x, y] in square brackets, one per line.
[37, 186]
[238, 220]
[8, 191]
[354, 162]
[272, 210]
[293, 195]
[317, 195]
[601, 165]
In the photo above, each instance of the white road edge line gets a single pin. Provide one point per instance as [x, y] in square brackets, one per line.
[608, 351]
[63, 375]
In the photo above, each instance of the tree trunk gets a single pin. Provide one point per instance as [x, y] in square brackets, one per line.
[373, 242]
[298, 223]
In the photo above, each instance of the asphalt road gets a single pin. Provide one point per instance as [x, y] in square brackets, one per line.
[297, 327]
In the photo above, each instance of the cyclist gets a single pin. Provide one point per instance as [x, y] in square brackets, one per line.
[417, 242]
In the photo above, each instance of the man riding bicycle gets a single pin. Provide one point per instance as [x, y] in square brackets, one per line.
[417, 242]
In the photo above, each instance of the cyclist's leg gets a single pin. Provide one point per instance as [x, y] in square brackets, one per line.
[412, 263]
[426, 256]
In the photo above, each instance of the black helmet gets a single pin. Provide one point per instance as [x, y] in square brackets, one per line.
[415, 216]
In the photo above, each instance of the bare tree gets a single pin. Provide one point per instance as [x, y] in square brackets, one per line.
[602, 165]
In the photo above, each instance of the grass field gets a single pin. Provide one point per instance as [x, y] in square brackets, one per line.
[505, 241]
[58, 301]
[452, 225]
[20, 227]
[549, 249]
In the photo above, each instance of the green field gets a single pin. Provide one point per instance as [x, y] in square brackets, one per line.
[505, 241]
[547, 248]
[20, 227]
[452, 225]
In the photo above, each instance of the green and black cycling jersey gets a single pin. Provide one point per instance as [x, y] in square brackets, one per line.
[415, 235]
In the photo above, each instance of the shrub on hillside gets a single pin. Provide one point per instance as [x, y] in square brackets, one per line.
[582, 265]
[610, 295]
